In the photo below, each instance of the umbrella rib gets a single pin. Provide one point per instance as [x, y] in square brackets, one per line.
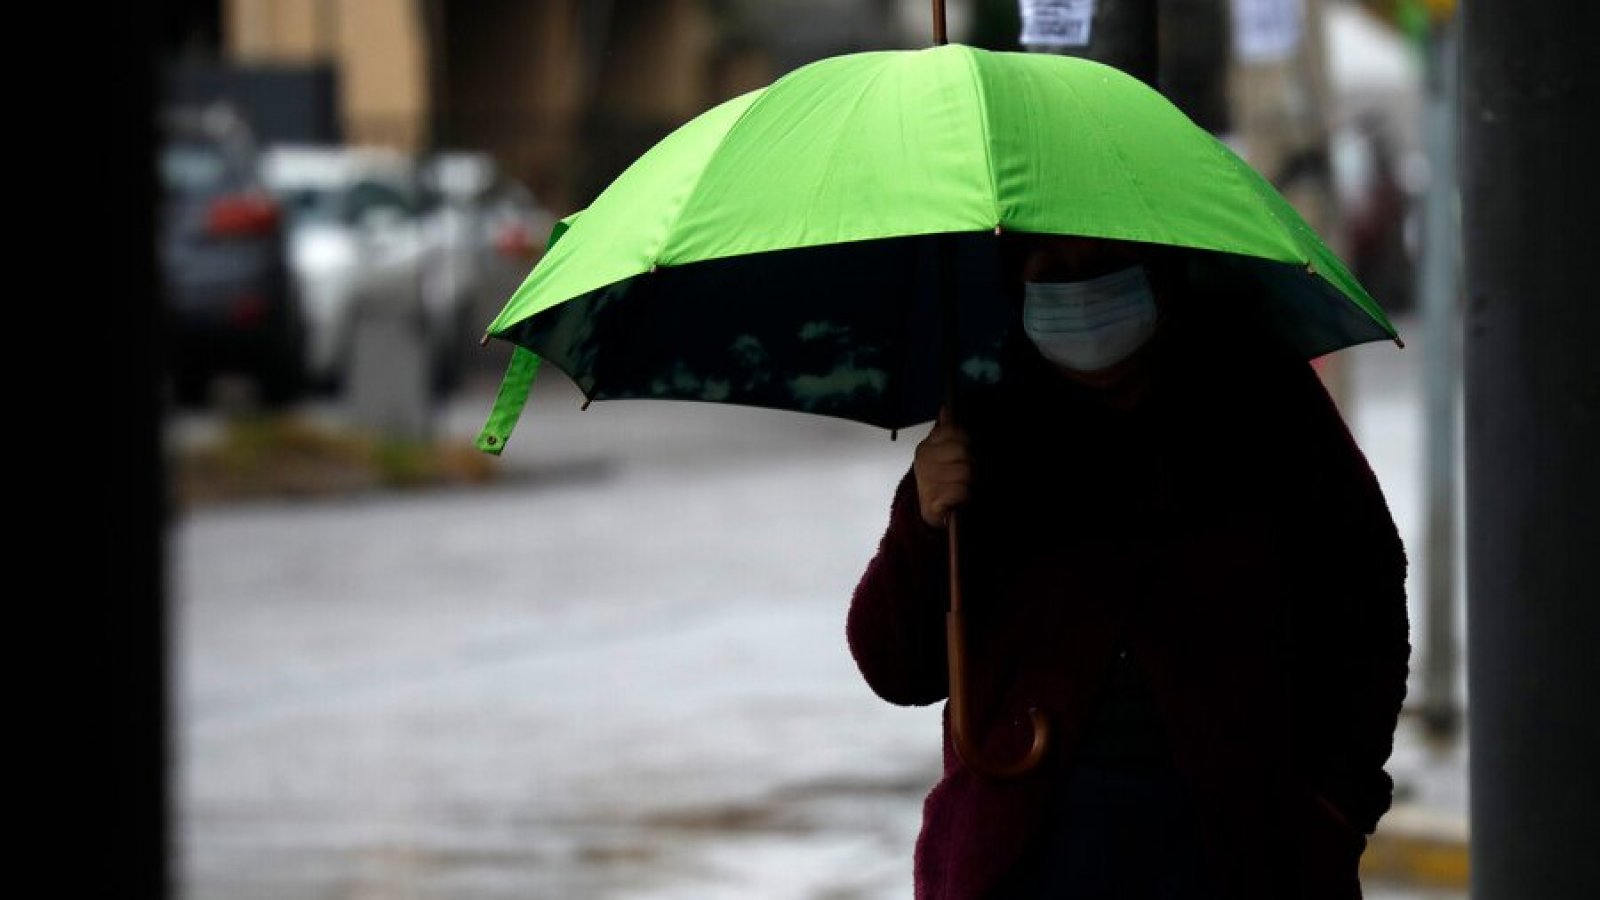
[1125, 169]
[688, 197]
[1266, 194]
[1259, 187]
[897, 380]
[988, 137]
[855, 107]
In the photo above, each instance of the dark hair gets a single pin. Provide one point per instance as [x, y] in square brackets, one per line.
[1167, 265]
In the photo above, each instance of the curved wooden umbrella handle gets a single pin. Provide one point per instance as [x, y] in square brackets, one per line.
[956, 656]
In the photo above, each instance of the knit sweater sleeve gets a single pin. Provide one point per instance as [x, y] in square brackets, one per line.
[896, 623]
[1349, 619]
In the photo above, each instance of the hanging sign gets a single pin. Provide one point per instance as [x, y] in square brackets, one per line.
[1266, 31]
[1056, 23]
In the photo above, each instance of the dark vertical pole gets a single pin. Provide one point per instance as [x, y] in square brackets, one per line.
[1194, 49]
[1123, 35]
[130, 609]
[1532, 447]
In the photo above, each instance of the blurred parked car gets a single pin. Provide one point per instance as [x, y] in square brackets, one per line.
[228, 298]
[504, 229]
[364, 230]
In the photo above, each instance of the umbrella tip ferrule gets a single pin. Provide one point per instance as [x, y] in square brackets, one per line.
[1311, 268]
[1399, 343]
[894, 434]
[653, 268]
[484, 341]
[585, 406]
[997, 230]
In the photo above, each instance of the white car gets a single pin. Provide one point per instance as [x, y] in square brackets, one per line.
[363, 230]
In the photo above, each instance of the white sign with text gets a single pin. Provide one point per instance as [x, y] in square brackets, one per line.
[1056, 23]
[1267, 31]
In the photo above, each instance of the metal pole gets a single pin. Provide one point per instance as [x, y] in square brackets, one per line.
[1532, 446]
[1438, 290]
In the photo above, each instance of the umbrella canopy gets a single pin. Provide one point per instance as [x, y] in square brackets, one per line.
[774, 251]
[828, 244]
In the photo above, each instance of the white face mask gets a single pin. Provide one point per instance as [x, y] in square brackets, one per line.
[1090, 325]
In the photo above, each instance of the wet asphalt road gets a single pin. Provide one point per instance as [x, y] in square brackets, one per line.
[620, 672]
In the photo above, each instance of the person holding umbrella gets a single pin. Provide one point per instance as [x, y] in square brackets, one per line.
[1145, 459]
[1181, 557]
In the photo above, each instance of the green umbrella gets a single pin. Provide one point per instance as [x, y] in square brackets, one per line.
[812, 245]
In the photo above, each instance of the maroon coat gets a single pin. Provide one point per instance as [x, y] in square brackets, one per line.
[1234, 526]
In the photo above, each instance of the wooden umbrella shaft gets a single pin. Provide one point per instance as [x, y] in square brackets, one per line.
[961, 730]
[939, 36]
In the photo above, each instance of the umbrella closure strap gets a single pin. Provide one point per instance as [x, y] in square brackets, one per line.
[508, 403]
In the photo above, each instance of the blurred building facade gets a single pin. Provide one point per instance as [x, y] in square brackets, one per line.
[564, 93]
[376, 48]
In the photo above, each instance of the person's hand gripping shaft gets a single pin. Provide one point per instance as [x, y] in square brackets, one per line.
[943, 469]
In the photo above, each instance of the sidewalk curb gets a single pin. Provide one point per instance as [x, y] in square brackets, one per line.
[1418, 846]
